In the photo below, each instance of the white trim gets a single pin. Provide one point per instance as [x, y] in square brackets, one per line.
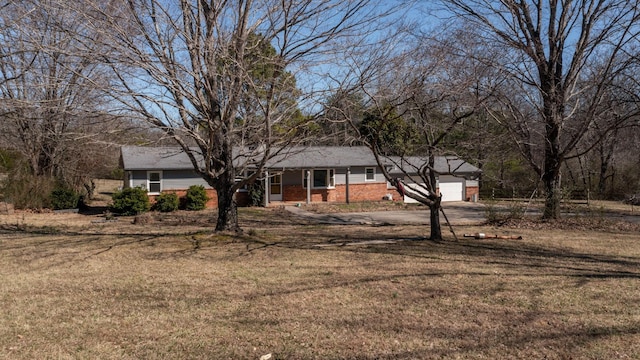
[330, 180]
[373, 173]
[149, 181]
[273, 196]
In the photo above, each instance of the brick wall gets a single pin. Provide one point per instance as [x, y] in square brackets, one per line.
[366, 192]
[471, 191]
[298, 193]
[357, 192]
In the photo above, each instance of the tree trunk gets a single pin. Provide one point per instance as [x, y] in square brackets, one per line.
[436, 229]
[224, 185]
[551, 176]
[551, 180]
[553, 115]
[434, 217]
[227, 207]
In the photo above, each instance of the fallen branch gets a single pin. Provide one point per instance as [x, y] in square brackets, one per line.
[489, 236]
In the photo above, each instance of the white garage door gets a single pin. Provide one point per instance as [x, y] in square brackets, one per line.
[451, 191]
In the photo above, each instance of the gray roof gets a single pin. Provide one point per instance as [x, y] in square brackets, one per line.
[442, 165]
[323, 157]
[154, 158]
[173, 158]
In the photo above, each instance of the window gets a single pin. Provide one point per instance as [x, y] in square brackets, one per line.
[320, 178]
[154, 182]
[369, 174]
[323, 178]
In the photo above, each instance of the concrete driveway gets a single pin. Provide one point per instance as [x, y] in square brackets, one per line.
[459, 213]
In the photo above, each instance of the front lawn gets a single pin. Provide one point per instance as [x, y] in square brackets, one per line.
[76, 288]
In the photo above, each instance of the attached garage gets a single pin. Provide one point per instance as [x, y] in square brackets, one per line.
[451, 188]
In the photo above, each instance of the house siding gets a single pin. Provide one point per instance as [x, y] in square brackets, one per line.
[356, 176]
[181, 179]
[137, 178]
[171, 179]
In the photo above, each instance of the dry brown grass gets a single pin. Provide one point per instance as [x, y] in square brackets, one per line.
[362, 206]
[75, 288]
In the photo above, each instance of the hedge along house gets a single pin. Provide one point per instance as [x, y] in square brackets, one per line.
[300, 175]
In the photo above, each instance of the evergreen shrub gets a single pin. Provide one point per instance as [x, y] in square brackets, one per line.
[64, 198]
[196, 198]
[166, 202]
[130, 201]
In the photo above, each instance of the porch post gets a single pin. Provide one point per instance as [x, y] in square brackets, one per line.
[308, 186]
[347, 183]
[266, 188]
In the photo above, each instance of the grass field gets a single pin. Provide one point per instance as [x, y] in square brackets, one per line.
[75, 288]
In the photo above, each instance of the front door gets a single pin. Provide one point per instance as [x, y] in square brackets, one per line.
[275, 187]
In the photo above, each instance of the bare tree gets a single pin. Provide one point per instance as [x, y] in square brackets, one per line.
[223, 78]
[50, 112]
[549, 49]
[420, 97]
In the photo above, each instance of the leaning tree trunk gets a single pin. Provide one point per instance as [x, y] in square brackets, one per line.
[434, 216]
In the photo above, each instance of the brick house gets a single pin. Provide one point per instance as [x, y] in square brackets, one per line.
[302, 174]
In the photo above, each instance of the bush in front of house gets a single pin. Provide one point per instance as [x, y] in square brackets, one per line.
[166, 202]
[130, 201]
[256, 194]
[64, 198]
[196, 198]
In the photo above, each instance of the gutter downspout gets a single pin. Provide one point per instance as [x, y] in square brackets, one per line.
[347, 183]
[308, 186]
[266, 188]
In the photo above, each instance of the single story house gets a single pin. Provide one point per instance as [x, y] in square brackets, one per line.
[303, 174]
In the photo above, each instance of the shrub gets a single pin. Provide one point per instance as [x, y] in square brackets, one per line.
[64, 198]
[196, 198]
[26, 191]
[130, 201]
[166, 202]
[497, 214]
[256, 194]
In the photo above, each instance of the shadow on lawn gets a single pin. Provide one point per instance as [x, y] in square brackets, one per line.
[511, 331]
[508, 255]
[559, 343]
[491, 260]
